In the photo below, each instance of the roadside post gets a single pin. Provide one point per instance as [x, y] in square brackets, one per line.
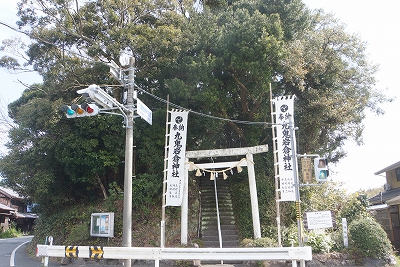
[345, 236]
[48, 241]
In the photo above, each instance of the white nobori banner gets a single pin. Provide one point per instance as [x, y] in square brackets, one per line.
[176, 158]
[284, 109]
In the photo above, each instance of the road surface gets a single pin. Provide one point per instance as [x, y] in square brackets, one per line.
[13, 253]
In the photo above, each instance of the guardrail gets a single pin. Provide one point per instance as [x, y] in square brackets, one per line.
[156, 253]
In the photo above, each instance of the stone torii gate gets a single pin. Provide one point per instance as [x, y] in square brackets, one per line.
[248, 151]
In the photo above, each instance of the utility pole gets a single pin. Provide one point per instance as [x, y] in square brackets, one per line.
[127, 210]
[296, 181]
[108, 103]
[276, 172]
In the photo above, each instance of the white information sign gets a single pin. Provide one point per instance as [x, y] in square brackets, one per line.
[176, 158]
[319, 219]
[144, 112]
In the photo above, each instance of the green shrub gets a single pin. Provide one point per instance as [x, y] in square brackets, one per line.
[11, 232]
[264, 242]
[242, 207]
[355, 209]
[320, 241]
[289, 236]
[337, 239]
[368, 239]
[78, 234]
[115, 194]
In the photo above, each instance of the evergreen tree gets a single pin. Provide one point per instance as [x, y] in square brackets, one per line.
[216, 58]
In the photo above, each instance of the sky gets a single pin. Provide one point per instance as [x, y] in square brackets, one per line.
[11, 84]
[376, 22]
[11, 89]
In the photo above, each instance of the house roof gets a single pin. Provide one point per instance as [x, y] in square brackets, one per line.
[385, 197]
[378, 207]
[10, 193]
[5, 208]
[388, 168]
[25, 215]
[394, 201]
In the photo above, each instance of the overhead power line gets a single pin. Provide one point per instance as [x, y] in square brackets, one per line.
[142, 90]
[206, 115]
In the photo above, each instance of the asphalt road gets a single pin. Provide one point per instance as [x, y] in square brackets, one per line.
[10, 252]
[13, 253]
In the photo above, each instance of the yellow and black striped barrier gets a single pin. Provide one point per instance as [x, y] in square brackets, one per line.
[96, 252]
[71, 251]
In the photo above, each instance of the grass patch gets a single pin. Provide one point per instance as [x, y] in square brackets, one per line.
[11, 232]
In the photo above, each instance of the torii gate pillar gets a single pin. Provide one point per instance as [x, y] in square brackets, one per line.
[248, 151]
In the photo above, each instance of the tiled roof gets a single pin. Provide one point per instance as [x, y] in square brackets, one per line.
[10, 193]
[7, 208]
[25, 215]
[384, 196]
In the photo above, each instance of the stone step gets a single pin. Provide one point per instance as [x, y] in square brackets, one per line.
[213, 213]
[212, 193]
[227, 210]
[214, 232]
[215, 237]
[213, 206]
[212, 197]
[210, 190]
[214, 226]
[223, 220]
[225, 244]
[231, 263]
[215, 222]
[209, 222]
[212, 202]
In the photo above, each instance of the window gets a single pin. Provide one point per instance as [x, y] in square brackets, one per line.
[395, 219]
[398, 174]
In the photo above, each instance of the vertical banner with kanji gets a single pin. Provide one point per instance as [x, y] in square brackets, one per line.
[284, 109]
[176, 158]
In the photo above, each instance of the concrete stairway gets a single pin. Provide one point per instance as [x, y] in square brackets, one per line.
[209, 221]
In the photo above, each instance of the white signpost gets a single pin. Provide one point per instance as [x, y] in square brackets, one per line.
[345, 236]
[144, 112]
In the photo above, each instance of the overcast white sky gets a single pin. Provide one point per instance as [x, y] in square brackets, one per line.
[376, 22]
[11, 89]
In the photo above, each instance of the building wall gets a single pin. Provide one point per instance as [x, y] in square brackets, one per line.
[4, 223]
[392, 179]
[382, 216]
[5, 200]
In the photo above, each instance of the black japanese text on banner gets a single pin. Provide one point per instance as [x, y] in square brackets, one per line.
[176, 158]
[284, 107]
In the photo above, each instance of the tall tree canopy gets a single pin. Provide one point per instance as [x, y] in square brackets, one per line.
[216, 58]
